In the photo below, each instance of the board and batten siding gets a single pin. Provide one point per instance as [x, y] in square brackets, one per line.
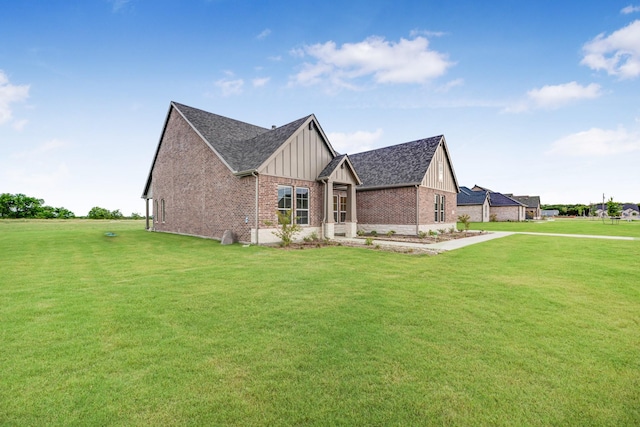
[431, 178]
[303, 157]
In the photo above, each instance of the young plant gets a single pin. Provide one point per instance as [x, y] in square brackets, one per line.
[287, 230]
[465, 220]
[390, 233]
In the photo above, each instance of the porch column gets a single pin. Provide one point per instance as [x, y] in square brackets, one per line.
[329, 226]
[351, 224]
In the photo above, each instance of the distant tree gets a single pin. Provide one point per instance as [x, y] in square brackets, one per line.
[22, 206]
[613, 208]
[97, 212]
[135, 215]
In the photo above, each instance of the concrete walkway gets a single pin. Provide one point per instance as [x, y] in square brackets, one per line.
[451, 245]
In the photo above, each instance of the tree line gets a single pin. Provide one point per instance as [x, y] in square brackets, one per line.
[612, 208]
[22, 206]
[16, 206]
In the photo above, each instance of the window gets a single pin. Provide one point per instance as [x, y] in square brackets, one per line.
[298, 209]
[302, 206]
[284, 199]
[156, 215]
[339, 209]
[162, 210]
[440, 171]
[438, 208]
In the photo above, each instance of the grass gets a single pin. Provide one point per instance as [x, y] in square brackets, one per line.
[157, 329]
[564, 226]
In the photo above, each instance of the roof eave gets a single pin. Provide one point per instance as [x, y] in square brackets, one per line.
[380, 187]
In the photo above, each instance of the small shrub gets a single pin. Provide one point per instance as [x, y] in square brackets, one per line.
[377, 247]
[368, 241]
[287, 230]
[465, 220]
[433, 233]
[360, 232]
[373, 233]
[422, 234]
[390, 233]
[493, 218]
[313, 237]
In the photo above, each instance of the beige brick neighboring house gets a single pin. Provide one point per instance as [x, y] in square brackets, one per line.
[475, 204]
[501, 207]
[532, 205]
[211, 173]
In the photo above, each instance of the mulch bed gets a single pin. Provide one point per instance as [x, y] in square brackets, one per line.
[381, 246]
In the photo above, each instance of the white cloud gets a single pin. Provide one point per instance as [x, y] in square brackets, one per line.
[618, 54]
[264, 34]
[630, 9]
[10, 94]
[41, 151]
[427, 33]
[449, 85]
[259, 82]
[118, 5]
[555, 96]
[406, 61]
[597, 142]
[354, 142]
[230, 87]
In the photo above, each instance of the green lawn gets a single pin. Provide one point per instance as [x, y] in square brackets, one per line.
[157, 329]
[564, 226]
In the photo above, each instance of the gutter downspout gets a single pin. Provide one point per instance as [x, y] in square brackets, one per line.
[324, 211]
[255, 175]
[417, 210]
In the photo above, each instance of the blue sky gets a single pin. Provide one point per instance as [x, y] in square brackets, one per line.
[534, 98]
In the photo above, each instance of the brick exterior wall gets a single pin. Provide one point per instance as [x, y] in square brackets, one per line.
[201, 195]
[474, 212]
[508, 213]
[397, 207]
[387, 206]
[268, 191]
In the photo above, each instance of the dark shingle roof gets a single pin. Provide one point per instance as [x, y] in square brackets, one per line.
[528, 201]
[469, 197]
[403, 164]
[333, 164]
[499, 199]
[242, 145]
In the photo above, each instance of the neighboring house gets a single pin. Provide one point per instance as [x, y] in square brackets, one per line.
[502, 207]
[474, 203]
[550, 212]
[627, 210]
[630, 210]
[212, 173]
[532, 203]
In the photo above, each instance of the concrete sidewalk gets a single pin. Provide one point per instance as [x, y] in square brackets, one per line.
[451, 245]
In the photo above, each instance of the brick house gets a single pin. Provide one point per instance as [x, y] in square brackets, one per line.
[474, 203]
[211, 173]
[501, 206]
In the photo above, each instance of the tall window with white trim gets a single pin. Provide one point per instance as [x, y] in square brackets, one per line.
[302, 206]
